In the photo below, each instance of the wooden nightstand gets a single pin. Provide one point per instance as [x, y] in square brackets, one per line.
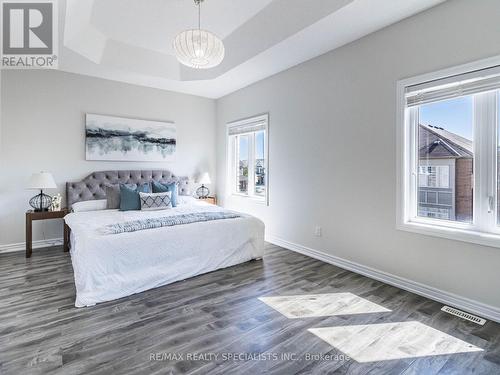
[211, 200]
[44, 215]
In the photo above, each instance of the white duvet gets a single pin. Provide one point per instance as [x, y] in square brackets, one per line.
[111, 266]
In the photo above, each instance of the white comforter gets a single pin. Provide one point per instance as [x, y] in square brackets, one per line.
[111, 266]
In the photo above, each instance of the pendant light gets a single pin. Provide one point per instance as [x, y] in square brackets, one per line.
[197, 48]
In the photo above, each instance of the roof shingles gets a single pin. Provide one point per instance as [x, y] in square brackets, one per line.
[435, 142]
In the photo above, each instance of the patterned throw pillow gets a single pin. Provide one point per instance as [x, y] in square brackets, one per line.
[156, 201]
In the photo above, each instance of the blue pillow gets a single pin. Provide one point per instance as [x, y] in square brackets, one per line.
[129, 197]
[163, 188]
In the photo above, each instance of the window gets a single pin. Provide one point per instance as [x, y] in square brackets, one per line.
[242, 155]
[435, 176]
[449, 146]
[247, 158]
[260, 164]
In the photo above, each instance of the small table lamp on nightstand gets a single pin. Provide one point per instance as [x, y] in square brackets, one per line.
[202, 191]
[40, 181]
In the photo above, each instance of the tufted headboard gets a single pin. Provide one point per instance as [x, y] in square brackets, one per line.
[93, 186]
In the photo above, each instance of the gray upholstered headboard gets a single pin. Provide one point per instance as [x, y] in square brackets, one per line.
[93, 186]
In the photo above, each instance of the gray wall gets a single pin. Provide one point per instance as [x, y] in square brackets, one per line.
[43, 128]
[333, 150]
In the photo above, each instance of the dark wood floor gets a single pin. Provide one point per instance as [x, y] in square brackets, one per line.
[214, 314]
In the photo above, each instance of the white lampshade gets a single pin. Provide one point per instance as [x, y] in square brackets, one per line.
[204, 179]
[41, 180]
[199, 49]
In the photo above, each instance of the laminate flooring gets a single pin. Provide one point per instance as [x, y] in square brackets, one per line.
[285, 314]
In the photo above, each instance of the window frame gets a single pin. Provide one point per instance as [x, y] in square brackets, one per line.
[232, 156]
[484, 229]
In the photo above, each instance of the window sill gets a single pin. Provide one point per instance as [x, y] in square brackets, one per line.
[457, 234]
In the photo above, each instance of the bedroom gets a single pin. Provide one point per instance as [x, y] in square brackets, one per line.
[311, 251]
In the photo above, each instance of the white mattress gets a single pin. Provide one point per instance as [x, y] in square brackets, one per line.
[111, 266]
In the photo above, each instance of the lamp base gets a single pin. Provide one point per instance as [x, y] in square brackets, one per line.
[41, 209]
[41, 202]
[202, 192]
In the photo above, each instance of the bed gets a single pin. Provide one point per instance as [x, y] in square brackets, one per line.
[110, 266]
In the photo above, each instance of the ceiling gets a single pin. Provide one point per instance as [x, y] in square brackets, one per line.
[131, 40]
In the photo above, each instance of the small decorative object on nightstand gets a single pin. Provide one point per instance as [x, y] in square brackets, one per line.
[56, 203]
[44, 215]
[211, 200]
[40, 181]
[202, 192]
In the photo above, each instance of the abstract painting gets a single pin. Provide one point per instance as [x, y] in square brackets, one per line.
[125, 139]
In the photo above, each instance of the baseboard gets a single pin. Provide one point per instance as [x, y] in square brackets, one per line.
[21, 246]
[463, 303]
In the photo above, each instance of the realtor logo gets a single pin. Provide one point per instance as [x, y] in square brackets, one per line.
[29, 31]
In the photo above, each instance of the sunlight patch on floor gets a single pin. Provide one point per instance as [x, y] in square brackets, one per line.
[317, 305]
[389, 341]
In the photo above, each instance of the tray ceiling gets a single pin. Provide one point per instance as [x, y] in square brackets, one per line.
[131, 40]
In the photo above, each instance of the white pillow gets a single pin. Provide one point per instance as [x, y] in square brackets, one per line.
[95, 205]
[155, 201]
[185, 199]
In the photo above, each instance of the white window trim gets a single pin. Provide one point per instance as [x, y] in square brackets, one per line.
[230, 161]
[479, 233]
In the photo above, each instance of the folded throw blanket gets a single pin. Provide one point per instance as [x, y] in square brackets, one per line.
[167, 221]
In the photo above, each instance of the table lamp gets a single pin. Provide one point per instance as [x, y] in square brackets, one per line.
[40, 181]
[202, 192]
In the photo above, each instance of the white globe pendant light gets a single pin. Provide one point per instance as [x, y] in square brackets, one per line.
[197, 48]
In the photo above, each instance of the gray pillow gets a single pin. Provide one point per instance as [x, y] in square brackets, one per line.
[113, 195]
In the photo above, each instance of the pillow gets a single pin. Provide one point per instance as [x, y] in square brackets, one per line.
[95, 205]
[156, 201]
[113, 195]
[158, 187]
[186, 187]
[185, 199]
[129, 197]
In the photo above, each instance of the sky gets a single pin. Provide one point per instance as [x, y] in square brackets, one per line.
[259, 140]
[454, 115]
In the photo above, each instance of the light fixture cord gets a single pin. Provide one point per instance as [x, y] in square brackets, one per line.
[199, 15]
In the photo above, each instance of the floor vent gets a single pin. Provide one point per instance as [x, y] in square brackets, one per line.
[463, 315]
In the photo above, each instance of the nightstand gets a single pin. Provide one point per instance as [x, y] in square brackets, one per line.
[44, 215]
[211, 200]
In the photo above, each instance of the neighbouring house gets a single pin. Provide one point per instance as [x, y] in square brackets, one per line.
[243, 176]
[445, 174]
[260, 176]
[260, 172]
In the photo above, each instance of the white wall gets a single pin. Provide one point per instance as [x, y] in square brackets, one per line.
[333, 148]
[43, 128]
